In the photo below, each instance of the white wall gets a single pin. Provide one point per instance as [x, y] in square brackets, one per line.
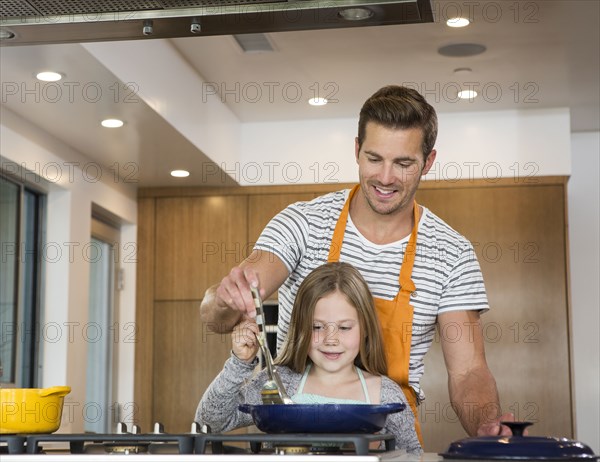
[72, 184]
[198, 114]
[488, 145]
[584, 243]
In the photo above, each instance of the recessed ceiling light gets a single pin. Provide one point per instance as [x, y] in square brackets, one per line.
[180, 173]
[317, 101]
[356, 14]
[467, 94]
[49, 76]
[458, 22]
[112, 123]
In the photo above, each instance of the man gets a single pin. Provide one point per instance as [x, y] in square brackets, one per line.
[420, 271]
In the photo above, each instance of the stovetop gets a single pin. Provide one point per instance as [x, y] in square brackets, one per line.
[199, 445]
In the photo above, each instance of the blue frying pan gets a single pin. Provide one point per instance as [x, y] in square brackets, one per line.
[320, 418]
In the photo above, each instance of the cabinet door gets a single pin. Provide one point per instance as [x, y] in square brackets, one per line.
[519, 237]
[187, 357]
[144, 340]
[198, 240]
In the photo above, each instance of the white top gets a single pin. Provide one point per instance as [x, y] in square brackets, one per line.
[309, 398]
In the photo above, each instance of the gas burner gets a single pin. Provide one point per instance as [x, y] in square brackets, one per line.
[313, 449]
[289, 449]
[329, 450]
[124, 448]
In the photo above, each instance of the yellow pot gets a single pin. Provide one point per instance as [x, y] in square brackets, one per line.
[31, 410]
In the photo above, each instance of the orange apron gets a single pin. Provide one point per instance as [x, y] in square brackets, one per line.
[395, 316]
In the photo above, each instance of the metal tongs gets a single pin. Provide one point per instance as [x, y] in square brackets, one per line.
[273, 391]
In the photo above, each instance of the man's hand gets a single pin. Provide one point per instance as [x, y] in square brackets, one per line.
[494, 428]
[224, 305]
[243, 340]
[234, 291]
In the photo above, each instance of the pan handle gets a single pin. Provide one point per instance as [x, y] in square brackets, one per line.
[59, 391]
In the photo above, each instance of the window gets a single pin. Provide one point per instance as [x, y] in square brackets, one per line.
[21, 228]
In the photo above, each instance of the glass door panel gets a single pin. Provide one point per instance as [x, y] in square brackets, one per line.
[100, 351]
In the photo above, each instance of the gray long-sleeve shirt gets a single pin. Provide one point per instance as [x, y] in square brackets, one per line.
[236, 384]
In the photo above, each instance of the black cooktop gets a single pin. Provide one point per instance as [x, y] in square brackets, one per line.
[203, 443]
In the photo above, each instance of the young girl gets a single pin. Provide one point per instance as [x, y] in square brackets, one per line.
[333, 354]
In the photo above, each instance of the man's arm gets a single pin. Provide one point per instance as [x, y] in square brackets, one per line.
[224, 304]
[471, 385]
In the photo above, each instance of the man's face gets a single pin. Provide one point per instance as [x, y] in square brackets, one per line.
[390, 165]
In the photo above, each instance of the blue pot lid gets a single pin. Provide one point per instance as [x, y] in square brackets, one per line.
[518, 447]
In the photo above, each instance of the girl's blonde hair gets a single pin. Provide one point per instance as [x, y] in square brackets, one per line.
[321, 282]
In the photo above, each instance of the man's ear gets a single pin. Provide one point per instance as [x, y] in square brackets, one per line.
[429, 162]
[356, 149]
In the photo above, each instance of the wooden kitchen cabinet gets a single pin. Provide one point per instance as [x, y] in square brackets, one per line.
[187, 356]
[198, 239]
[186, 244]
[144, 335]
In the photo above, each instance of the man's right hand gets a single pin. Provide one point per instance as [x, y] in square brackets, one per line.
[227, 303]
[234, 291]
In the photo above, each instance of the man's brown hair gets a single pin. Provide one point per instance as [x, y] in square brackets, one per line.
[398, 107]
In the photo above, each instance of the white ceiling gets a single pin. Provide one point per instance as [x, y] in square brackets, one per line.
[540, 54]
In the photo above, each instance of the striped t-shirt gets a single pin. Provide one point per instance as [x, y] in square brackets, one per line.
[446, 272]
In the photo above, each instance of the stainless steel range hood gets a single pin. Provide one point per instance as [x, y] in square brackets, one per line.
[27, 22]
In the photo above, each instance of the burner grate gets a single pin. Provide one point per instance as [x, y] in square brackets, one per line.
[199, 442]
[15, 444]
[360, 442]
[77, 441]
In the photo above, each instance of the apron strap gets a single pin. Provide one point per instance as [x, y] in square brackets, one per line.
[407, 286]
[335, 249]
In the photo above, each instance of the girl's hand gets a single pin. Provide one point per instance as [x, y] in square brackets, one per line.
[243, 340]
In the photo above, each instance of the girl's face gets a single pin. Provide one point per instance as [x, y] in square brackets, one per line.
[336, 334]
